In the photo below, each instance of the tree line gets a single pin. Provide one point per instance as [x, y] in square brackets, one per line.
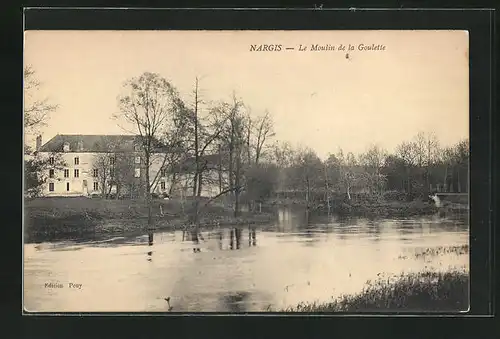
[417, 168]
[223, 143]
[186, 135]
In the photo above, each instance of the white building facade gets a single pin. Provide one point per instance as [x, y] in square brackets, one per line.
[74, 168]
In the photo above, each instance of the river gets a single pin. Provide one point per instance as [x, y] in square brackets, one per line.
[278, 265]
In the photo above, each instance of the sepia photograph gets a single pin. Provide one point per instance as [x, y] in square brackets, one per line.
[246, 171]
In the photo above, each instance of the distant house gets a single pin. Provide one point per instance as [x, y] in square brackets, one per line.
[80, 174]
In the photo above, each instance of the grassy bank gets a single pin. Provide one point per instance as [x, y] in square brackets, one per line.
[389, 208]
[416, 292]
[367, 206]
[77, 217]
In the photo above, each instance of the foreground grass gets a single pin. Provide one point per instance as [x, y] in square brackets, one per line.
[417, 292]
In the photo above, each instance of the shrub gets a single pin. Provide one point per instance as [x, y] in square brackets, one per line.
[395, 196]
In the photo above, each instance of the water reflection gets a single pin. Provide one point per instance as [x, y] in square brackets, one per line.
[252, 236]
[300, 257]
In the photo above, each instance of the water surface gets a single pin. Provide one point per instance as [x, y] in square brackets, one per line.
[245, 269]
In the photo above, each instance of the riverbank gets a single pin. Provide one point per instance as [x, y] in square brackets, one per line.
[367, 207]
[49, 219]
[415, 292]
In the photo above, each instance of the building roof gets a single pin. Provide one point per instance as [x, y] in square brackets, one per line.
[89, 143]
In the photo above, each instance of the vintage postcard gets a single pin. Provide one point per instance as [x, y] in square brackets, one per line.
[246, 171]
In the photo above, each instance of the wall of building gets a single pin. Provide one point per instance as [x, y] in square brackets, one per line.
[76, 184]
[85, 166]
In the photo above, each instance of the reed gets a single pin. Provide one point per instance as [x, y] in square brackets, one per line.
[415, 292]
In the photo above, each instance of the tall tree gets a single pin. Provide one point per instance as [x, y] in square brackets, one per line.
[206, 131]
[406, 151]
[263, 131]
[307, 172]
[36, 114]
[36, 110]
[282, 156]
[152, 105]
[373, 160]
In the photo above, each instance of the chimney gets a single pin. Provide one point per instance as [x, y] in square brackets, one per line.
[38, 142]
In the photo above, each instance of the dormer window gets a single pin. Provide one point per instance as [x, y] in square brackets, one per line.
[66, 147]
[80, 145]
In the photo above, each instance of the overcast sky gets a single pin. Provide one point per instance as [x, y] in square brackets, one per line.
[320, 99]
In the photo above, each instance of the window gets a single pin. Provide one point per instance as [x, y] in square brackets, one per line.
[137, 160]
[96, 186]
[51, 160]
[51, 186]
[96, 172]
[51, 173]
[77, 173]
[162, 184]
[163, 172]
[77, 161]
[112, 161]
[111, 172]
[67, 186]
[137, 173]
[66, 173]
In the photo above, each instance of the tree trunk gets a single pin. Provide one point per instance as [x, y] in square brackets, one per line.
[109, 190]
[149, 200]
[308, 192]
[103, 188]
[171, 189]
[237, 187]
[327, 196]
[409, 180]
[200, 184]
[445, 181]
[220, 169]
[231, 168]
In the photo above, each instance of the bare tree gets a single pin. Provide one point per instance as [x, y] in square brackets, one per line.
[151, 104]
[232, 139]
[307, 171]
[263, 130]
[36, 111]
[123, 174]
[257, 132]
[38, 169]
[406, 151]
[102, 171]
[373, 160]
[349, 172]
[282, 156]
[206, 131]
